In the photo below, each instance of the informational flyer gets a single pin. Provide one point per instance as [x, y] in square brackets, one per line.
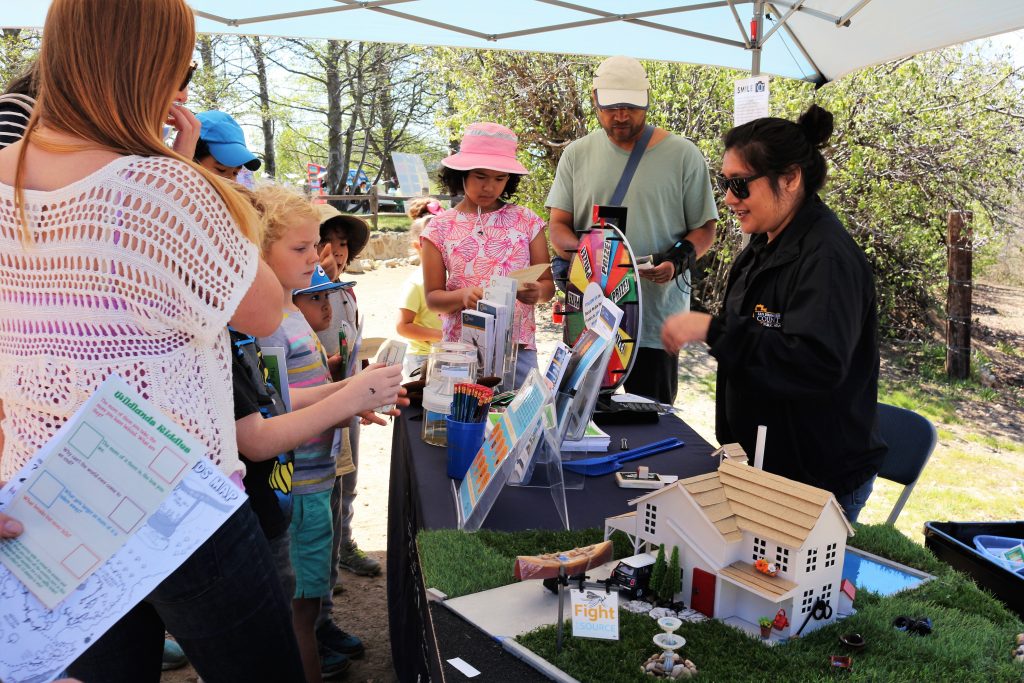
[107, 470]
[750, 99]
[39, 639]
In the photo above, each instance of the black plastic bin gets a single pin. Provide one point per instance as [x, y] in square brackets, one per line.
[953, 542]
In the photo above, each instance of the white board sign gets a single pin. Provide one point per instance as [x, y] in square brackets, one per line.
[595, 614]
[750, 99]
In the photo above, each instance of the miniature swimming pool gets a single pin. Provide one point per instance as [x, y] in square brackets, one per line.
[879, 575]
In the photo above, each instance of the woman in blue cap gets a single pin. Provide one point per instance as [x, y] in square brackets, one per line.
[221, 147]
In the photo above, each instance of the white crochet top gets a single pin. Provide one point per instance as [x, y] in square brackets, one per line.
[135, 270]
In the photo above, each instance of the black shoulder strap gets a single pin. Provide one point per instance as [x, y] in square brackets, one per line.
[631, 164]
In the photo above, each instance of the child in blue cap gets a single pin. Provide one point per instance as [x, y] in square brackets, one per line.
[221, 147]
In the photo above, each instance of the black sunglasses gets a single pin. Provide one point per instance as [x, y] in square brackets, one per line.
[188, 75]
[740, 186]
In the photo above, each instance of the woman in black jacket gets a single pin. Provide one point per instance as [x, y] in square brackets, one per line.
[797, 338]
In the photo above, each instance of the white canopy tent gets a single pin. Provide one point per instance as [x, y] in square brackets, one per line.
[814, 40]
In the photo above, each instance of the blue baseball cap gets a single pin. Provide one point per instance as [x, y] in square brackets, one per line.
[319, 283]
[224, 137]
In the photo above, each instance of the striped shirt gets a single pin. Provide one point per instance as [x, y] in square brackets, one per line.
[15, 111]
[307, 367]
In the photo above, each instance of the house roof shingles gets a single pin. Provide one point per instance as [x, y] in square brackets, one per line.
[738, 497]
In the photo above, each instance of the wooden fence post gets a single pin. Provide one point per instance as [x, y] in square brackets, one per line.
[374, 205]
[958, 297]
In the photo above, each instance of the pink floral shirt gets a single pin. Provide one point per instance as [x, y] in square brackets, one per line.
[475, 248]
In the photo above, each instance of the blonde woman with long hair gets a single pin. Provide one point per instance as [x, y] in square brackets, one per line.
[120, 256]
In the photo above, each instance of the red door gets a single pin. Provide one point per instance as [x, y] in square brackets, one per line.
[702, 598]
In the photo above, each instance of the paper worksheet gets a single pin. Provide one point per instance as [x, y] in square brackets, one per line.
[39, 641]
[104, 473]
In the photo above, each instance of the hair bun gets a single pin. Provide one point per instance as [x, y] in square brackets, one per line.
[816, 124]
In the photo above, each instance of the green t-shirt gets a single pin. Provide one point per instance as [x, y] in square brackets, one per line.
[670, 194]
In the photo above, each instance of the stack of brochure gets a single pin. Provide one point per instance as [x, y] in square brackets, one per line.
[500, 300]
[478, 330]
[594, 440]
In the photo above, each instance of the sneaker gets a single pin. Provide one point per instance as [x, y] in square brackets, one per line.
[332, 638]
[352, 559]
[174, 656]
[333, 665]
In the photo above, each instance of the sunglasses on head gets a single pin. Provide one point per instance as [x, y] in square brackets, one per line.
[188, 75]
[740, 187]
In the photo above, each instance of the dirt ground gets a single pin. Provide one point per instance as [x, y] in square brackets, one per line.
[362, 608]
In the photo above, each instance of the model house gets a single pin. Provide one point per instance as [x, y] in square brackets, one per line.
[723, 522]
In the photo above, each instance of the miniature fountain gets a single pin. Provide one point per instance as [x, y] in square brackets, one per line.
[668, 663]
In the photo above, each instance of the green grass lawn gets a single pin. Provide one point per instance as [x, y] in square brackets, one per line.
[971, 476]
[971, 641]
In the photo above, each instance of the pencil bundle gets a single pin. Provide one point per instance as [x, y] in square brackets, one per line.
[470, 402]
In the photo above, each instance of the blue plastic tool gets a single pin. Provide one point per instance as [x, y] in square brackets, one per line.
[596, 467]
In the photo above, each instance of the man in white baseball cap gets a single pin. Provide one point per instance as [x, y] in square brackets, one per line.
[671, 207]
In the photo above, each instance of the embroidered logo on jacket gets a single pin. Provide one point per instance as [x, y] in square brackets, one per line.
[767, 318]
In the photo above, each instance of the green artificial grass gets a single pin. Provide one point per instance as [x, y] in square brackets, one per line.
[443, 555]
[971, 641]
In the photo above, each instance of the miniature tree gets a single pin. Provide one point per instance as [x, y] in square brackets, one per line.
[671, 583]
[658, 573]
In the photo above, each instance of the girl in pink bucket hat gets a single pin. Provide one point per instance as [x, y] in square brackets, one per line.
[484, 235]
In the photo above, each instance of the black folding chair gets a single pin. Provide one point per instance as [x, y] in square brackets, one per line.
[911, 438]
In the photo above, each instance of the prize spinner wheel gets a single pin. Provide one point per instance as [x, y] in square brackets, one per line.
[604, 267]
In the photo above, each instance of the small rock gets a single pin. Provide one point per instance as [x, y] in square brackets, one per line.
[659, 612]
[637, 606]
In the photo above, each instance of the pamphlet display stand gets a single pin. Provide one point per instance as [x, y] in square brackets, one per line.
[578, 408]
[540, 466]
[543, 452]
[503, 448]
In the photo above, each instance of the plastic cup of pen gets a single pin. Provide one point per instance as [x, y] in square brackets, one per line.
[464, 441]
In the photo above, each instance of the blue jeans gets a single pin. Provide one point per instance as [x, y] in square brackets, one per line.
[224, 605]
[854, 501]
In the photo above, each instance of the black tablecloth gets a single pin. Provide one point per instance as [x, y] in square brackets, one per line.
[420, 497]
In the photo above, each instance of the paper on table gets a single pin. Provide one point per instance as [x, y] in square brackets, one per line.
[461, 664]
[530, 273]
[49, 640]
[104, 473]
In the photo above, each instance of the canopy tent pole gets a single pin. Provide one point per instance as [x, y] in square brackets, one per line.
[756, 29]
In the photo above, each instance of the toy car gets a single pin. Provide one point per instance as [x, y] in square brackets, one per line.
[633, 575]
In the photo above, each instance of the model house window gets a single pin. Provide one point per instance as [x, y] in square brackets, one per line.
[830, 554]
[826, 592]
[812, 560]
[782, 558]
[807, 603]
[760, 546]
[650, 518]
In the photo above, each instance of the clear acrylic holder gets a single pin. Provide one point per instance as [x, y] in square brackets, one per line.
[508, 374]
[576, 409]
[503, 449]
[545, 452]
[545, 468]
